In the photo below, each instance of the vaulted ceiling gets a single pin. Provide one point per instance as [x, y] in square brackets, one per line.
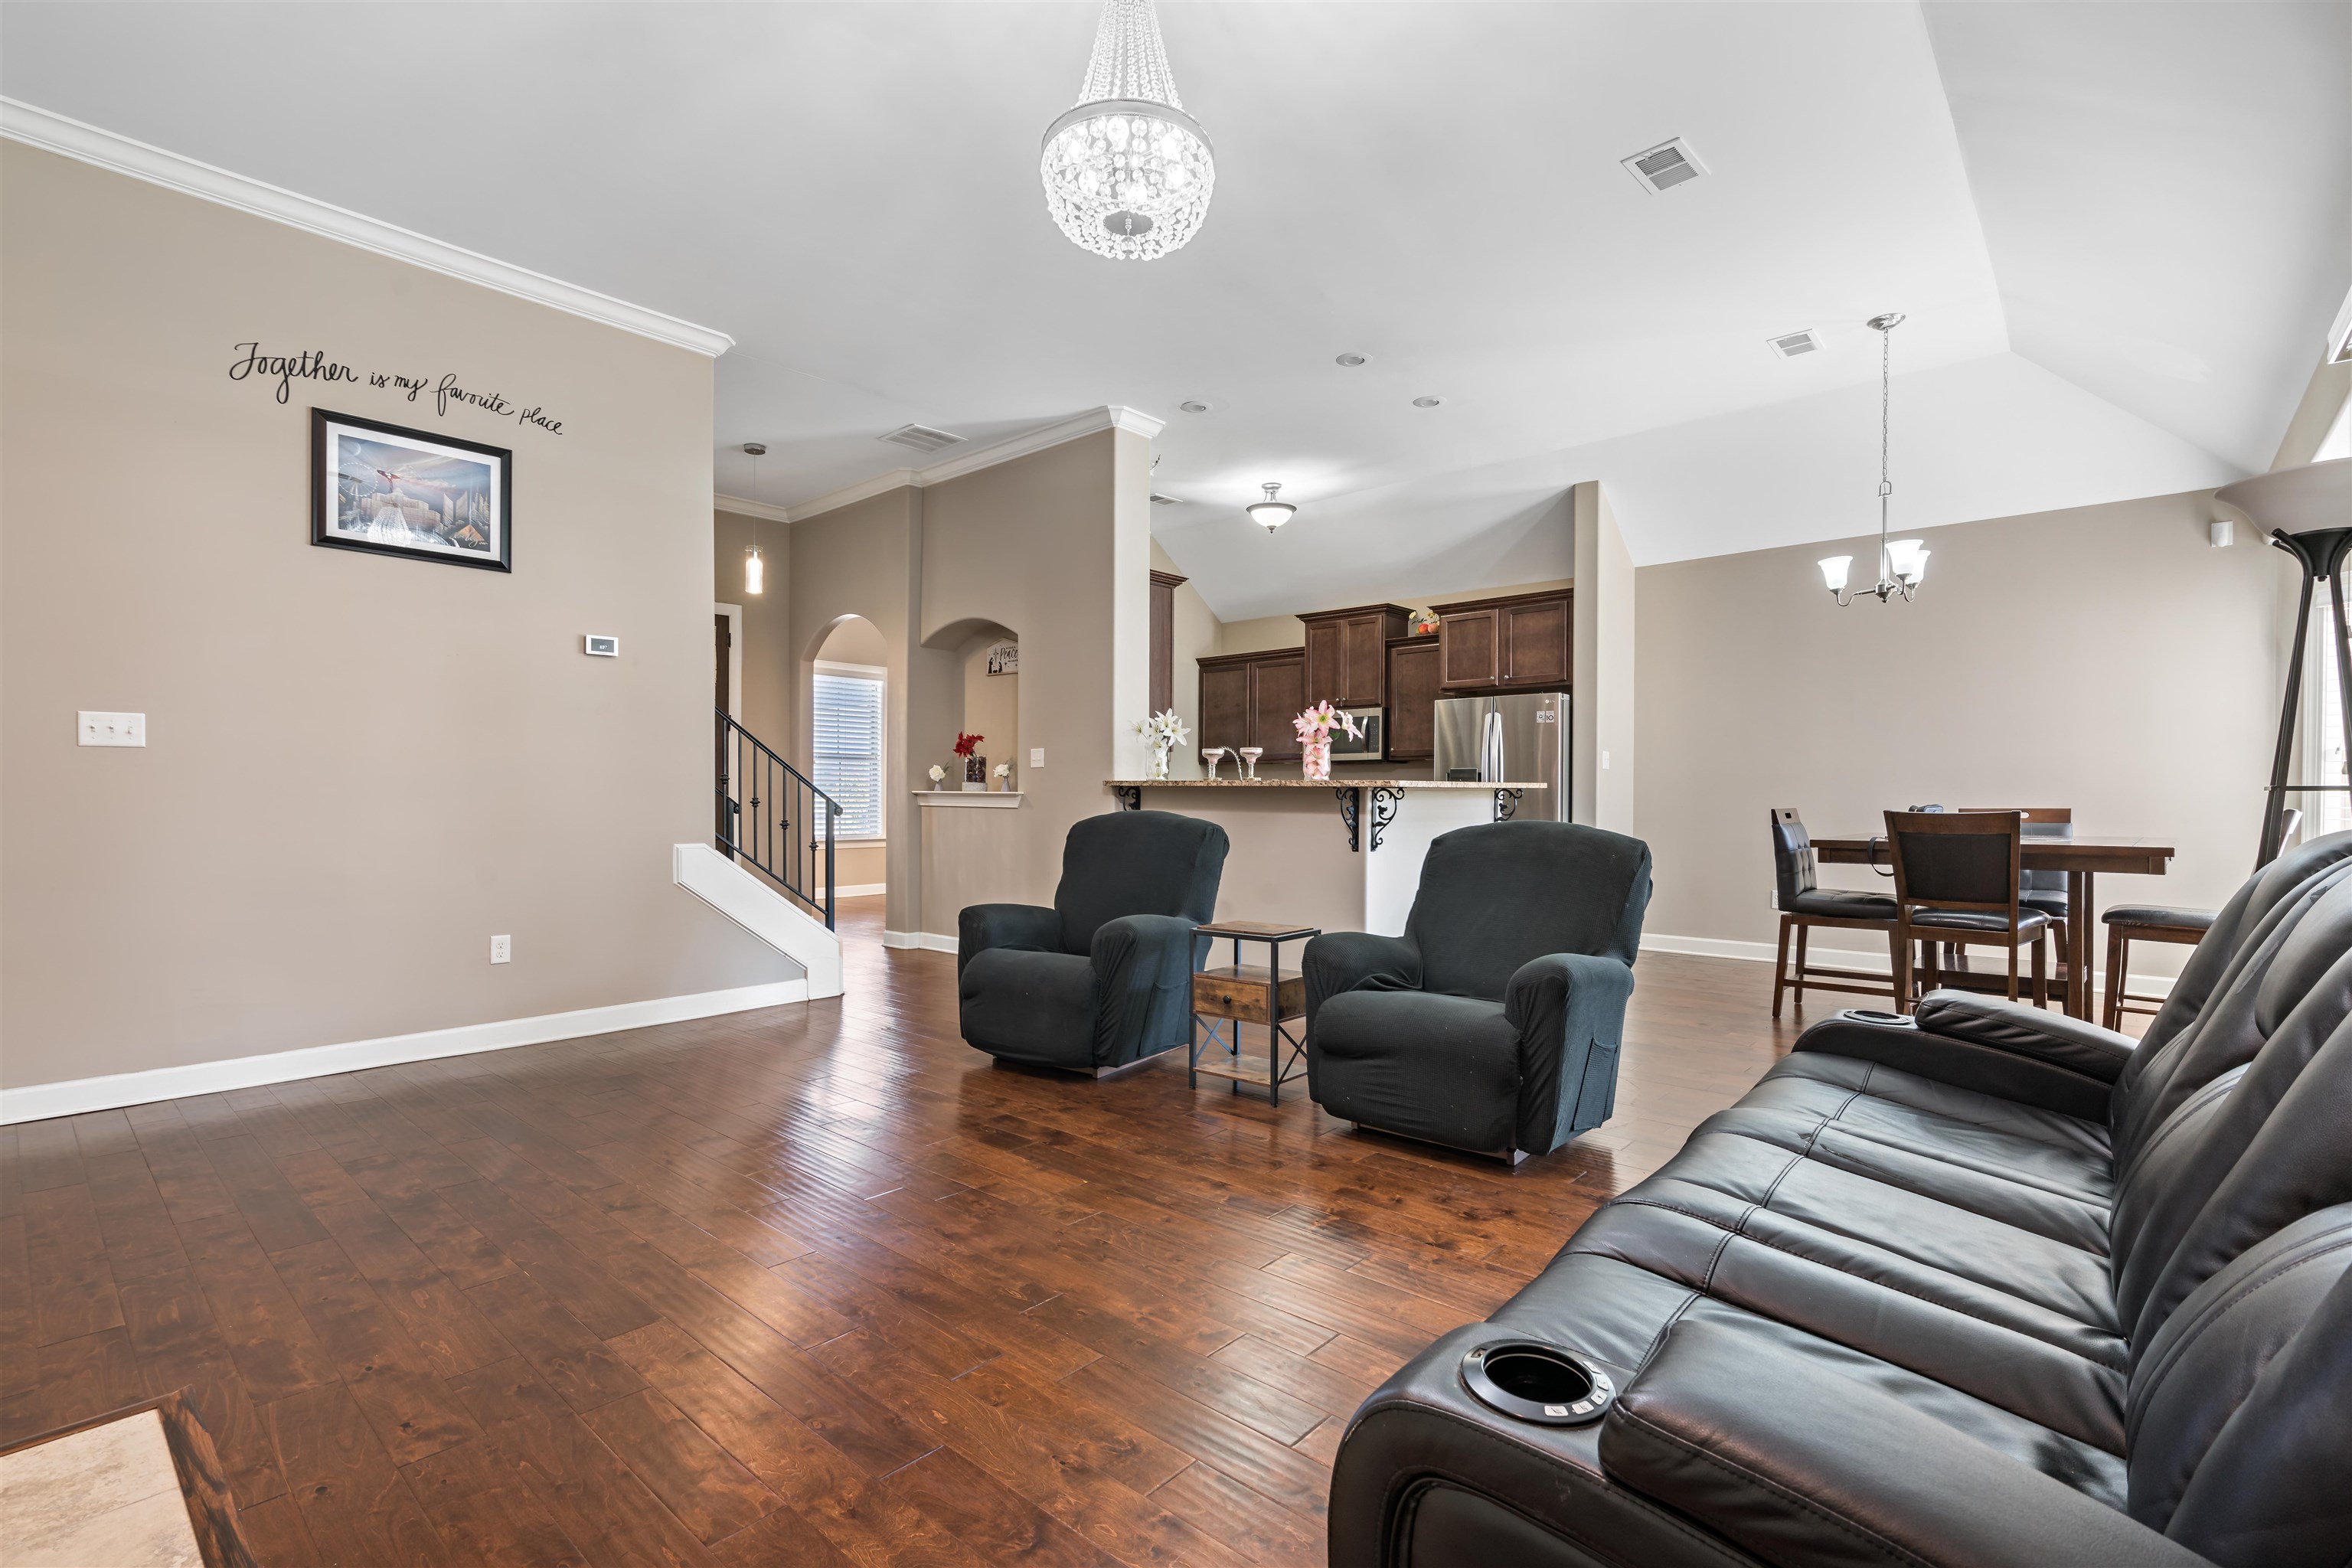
[2119, 231]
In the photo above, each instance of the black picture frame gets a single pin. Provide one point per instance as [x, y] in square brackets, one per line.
[447, 499]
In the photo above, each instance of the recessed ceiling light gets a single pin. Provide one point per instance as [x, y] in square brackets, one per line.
[1425, 402]
[1193, 407]
[1353, 361]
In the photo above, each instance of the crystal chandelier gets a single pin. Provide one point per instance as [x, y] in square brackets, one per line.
[1901, 562]
[1128, 173]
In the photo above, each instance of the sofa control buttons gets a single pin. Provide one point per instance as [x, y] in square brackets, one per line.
[1530, 1381]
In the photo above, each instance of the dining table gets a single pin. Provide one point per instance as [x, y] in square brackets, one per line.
[2081, 856]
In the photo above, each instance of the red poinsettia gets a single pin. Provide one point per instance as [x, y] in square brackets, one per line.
[966, 744]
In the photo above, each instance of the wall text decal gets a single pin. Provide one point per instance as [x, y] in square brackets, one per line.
[313, 364]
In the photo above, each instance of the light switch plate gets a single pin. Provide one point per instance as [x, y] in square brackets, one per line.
[1037, 756]
[113, 729]
[501, 949]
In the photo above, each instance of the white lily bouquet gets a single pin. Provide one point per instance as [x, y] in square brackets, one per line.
[1163, 732]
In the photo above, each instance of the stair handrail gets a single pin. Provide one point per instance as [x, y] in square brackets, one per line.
[760, 796]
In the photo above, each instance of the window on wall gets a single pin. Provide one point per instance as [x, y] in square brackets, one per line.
[848, 746]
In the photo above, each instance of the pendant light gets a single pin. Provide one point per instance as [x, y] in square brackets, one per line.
[1270, 514]
[755, 570]
[1128, 173]
[1901, 562]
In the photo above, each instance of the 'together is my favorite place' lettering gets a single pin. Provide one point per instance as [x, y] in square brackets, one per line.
[312, 364]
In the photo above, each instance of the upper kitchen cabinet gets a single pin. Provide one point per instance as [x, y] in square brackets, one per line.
[1250, 700]
[1412, 700]
[1518, 643]
[1163, 639]
[1347, 654]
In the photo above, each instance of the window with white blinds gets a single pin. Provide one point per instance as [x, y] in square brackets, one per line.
[848, 746]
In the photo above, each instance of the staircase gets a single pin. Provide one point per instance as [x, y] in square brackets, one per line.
[768, 868]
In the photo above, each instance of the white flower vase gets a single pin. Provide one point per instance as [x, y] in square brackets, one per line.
[1159, 749]
[1316, 760]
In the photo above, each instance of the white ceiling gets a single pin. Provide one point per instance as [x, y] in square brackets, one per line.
[2119, 231]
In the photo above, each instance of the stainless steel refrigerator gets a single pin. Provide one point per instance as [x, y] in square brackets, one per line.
[1522, 737]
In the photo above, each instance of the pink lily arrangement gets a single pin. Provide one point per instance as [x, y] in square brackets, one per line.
[1314, 728]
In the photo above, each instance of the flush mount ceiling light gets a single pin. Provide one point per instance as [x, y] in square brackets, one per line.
[1353, 361]
[1193, 407]
[1901, 562]
[1128, 173]
[1427, 401]
[755, 570]
[1270, 514]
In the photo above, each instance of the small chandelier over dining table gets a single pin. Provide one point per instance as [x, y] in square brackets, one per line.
[1901, 562]
[1128, 173]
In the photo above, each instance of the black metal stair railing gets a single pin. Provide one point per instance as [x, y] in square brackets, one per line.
[773, 819]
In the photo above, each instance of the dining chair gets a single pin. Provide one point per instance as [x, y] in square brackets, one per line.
[1958, 881]
[1804, 904]
[2044, 891]
[2128, 923]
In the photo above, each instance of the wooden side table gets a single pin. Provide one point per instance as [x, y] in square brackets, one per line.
[1226, 999]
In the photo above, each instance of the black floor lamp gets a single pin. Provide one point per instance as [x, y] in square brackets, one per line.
[2308, 511]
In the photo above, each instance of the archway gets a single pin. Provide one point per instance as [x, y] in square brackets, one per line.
[847, 740]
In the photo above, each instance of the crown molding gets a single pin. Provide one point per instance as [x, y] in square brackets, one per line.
[1108, 418]
[742, 506]
[72, 139]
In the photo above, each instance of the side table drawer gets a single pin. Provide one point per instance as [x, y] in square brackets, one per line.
[1240, 992]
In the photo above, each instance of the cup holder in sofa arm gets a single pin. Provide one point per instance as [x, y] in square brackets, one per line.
[1529, 1381]
[1883, 1020]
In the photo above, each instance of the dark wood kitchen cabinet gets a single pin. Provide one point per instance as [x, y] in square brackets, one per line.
[1413, 691]
[1518, 643]
[1163, 639]
[1347, 654]
[1250, 698]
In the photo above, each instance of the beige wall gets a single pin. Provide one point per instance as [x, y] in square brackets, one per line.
[2103, 658]
[764, 703]
[1601, 716]
[357, 769]
[991, 708]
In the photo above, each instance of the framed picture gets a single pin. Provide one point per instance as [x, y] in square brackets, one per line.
[1004, 659]
[396, 491]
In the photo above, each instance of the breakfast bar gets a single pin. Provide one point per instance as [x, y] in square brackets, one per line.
[1341, 854]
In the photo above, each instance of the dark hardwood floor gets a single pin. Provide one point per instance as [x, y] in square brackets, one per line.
[819, 1285]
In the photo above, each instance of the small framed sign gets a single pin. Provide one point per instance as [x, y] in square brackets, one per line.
[1004, 659]
[601, 647]
[396, 491]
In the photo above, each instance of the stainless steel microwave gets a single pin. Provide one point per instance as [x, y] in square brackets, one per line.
[1371, 747]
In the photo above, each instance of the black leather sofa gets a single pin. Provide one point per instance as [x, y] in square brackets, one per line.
[1998, 1288]
[1493, 1024]
[1104, 978]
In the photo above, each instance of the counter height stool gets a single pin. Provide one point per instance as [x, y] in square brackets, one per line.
[1804, 905]
[1956, 880]
[2128, 923]
[1226, 999]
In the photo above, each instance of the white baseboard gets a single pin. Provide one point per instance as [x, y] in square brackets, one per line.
[861, 889]
[928, 940]
[2146, 987]
[35, 1101]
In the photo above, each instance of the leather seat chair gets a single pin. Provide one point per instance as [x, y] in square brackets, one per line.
[1804, 904]
[1104, 978]
[2128, 923]
[1493, 1024]
[1992, 1288]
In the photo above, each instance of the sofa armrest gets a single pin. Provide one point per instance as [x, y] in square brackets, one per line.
[1353, 960]
[2028, 1031]
[1803, 1468]
[2046, 1080]
[1143, 985]
[1569, 1011]
[980, 927]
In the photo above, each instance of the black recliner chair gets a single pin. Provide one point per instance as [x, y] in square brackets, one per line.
[1104, 978]
[1990, 1289]
[1493, 1024]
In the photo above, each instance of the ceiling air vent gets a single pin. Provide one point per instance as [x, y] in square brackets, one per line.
[921, 438]
[1159, 500]
[1665, 165]
[1790, 345]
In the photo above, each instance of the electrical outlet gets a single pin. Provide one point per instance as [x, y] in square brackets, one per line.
[501, 949]
[1037, 756]
[111, 729]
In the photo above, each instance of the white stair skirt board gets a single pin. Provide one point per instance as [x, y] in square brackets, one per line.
[2144, 987]
[34, 1102]
[759, 909]
[928, 940]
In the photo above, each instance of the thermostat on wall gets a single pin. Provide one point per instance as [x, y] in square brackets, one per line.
[603, 648]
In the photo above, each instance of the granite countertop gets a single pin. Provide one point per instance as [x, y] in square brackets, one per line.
[1339, 783]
